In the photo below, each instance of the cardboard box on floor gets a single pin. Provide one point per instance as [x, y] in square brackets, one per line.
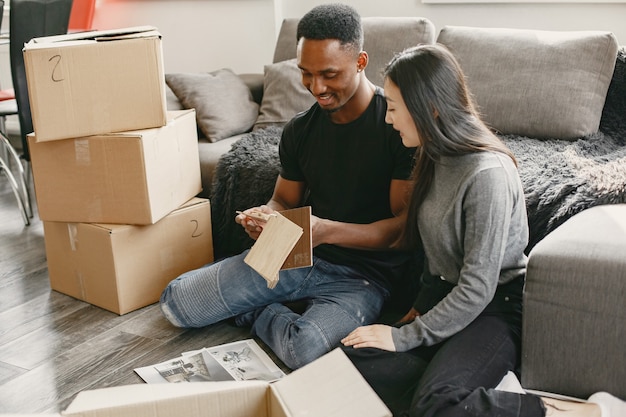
[95, 82]
[121, 267]
[330, 387]
[134, 177]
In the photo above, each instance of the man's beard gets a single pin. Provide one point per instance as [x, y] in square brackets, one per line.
[335, 110]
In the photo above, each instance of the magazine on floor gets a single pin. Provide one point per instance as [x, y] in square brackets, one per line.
[238, 361]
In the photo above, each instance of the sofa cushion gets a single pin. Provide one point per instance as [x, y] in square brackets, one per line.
[210, 154]
[615, 104]
[283, 94]
[536, 83]
[223, 103]
[171, 101]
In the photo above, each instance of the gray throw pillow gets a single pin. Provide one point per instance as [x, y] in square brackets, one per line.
[541, 84]
[223, 103]
[283, 94]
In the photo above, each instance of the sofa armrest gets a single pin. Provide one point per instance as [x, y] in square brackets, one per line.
[255, 84]
[574, 318]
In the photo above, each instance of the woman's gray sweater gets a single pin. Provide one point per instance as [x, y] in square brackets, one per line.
[474, 229]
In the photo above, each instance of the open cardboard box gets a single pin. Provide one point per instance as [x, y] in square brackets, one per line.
[330, 386]
[94, 82]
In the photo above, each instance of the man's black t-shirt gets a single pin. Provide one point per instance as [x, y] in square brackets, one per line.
[348, 170]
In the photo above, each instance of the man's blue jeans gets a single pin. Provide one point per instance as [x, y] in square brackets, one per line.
[339, 298]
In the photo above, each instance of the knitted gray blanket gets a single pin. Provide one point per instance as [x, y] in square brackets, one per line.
[563, 178]
[244, 177]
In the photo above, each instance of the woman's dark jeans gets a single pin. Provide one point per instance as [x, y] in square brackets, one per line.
[456, 377]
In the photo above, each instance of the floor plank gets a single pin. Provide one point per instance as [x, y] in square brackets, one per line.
[35, 314]
[9, 372]
[66, 374]
[61, 335]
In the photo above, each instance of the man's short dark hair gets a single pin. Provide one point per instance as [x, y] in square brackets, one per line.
[332, 21]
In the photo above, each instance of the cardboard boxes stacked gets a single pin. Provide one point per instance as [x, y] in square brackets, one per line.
[115, 174]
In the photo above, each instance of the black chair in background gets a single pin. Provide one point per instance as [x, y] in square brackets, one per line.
[8, 104]
[30, 19]
[9, 157]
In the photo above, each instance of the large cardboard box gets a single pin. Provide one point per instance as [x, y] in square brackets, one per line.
[134, 177]
[95, 82]
[329, 387]
[122, 267]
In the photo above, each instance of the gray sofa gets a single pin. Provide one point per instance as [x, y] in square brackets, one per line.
[558, 99]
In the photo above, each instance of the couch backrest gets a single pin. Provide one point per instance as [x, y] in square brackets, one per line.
[384, 36]
[536, 83]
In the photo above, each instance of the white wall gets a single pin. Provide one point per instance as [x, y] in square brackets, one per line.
[200, 35]
[522, 14]
[5, 67]
[203, 35]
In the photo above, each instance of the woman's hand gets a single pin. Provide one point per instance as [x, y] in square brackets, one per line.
[375, 335]
[251, 222]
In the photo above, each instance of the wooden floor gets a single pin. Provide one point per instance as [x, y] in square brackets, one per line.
[53, 346]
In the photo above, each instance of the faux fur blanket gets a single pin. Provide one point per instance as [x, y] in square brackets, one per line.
[560, 178]
[563, 178]
[244, 177]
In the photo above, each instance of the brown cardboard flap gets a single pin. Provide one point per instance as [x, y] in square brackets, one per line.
[111, 34]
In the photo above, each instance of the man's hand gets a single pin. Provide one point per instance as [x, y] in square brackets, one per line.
[317, 230]
[253, 219]
[375, 335]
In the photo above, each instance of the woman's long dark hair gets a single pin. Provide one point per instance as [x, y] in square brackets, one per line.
[434, 90]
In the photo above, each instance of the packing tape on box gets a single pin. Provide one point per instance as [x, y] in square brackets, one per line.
[81, 285]
[72, 232]
[82, 153]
